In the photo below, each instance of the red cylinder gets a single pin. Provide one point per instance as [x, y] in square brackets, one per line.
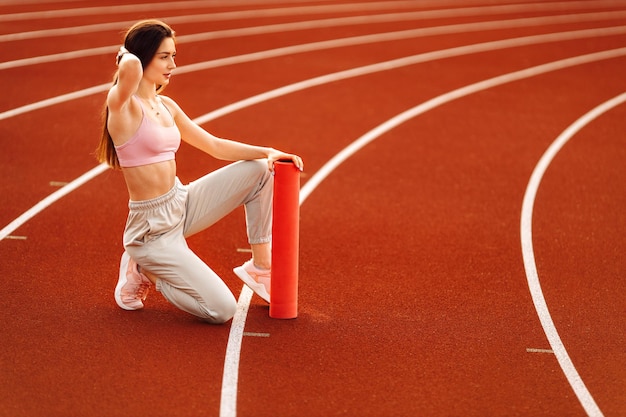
[285, 241]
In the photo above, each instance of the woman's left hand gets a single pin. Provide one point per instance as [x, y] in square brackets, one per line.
[275, 155]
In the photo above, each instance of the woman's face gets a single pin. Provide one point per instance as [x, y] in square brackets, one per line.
[160, 68]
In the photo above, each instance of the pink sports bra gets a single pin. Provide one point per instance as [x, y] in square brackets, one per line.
[151, 143]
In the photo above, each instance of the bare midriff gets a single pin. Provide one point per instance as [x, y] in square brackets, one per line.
[150, 181]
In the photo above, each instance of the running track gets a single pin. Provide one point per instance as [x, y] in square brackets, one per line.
[462, 223]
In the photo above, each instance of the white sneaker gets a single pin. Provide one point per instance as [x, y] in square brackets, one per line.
[257, 279]
[132, 286]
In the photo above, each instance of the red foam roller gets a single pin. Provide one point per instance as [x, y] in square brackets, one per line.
[285, 241]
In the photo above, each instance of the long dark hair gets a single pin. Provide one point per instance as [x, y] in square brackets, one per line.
[142, 40]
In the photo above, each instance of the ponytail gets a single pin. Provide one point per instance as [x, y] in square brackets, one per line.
[105, 152]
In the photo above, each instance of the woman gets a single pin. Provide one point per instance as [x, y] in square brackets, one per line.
[142, 132]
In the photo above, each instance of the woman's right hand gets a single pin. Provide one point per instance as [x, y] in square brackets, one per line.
[276, 155]
[120, 54]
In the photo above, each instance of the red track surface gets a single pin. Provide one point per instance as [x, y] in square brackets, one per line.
[414, 298]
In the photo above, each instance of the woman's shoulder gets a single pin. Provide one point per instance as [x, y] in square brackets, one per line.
[174, 108]
[168, 100]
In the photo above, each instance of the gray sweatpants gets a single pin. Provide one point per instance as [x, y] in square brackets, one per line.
[156, 230]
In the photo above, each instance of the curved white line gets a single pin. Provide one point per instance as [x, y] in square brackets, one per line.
[50, 199]
[228, 405]
[55, 100]
[230, 377]
[528, 254]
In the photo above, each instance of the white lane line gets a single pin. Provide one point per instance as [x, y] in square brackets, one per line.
[54, 101]
[528, 254]
[230, 377]
[228, 405]
[49, 200]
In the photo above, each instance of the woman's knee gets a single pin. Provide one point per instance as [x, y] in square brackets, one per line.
[221, 314]
[259, 167]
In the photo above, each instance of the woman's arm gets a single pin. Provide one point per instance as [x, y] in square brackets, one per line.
[129, 75]
[224, 149]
